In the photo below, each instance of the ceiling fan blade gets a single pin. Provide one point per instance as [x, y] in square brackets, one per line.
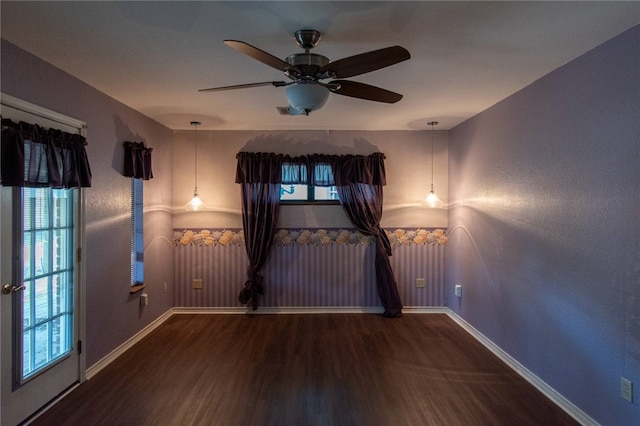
[365, 62]
[365, 91]
[247, 86]
[261, 55]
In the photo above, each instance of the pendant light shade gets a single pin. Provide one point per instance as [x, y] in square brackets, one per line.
[432, 200]
[196, 203]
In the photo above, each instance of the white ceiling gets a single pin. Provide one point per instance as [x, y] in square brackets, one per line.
[465, 56]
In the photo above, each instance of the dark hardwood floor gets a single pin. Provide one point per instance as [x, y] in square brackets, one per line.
[314, 369]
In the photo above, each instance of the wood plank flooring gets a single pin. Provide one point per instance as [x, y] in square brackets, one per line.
[314, 369]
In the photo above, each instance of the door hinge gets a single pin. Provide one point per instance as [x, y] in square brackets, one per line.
[79, 254]
[79, 346]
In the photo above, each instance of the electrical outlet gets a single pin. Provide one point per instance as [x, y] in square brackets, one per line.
[197, 283]
[144, 299]
[164, 287]
[458, 290]
[626, 389]
[420, 282]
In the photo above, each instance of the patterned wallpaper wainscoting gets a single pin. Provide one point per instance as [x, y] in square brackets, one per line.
[308, 268]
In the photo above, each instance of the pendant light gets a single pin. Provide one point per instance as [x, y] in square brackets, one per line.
[196, 203]
[432, 199]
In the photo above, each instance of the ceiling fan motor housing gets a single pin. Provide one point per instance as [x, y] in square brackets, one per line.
[308, 63]
[307, 39]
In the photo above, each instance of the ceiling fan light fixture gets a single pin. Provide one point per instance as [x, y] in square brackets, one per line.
[307, 97]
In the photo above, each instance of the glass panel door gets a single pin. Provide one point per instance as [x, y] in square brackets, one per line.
[40, 273]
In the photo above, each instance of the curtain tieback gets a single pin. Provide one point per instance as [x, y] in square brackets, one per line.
[383, 242]
[252, 286]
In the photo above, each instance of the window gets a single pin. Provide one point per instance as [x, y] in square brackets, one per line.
[48, 274]
[302, 193]
[137, 235]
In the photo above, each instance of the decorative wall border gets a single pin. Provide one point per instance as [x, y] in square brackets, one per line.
[306, 237]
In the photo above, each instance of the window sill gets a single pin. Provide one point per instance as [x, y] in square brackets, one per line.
[310, 202]
[136, 288]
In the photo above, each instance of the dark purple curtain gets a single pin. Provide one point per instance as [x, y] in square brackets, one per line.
[359, 180]
[36, 157]
[137, 160]
[259, 175]
[363, 205]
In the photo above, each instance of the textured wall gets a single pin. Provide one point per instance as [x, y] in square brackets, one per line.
[113, 315]
[545, 231]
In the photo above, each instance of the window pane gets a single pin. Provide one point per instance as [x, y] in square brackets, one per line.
[27, 297]
[42, 299]
[41, 349]
[27, 249]
[62, 296]
[137, 232]
[27, 339]
[294, 173]
[325, 193]
[28, 206]
[323, 175]
[62, 249]
[294, 192]
[41, 212]
[41, 255]
[60, 337]
[63, 217]
[294, 188]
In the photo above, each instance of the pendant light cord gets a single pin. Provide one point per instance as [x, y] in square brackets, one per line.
[195, 124]
[432, 123]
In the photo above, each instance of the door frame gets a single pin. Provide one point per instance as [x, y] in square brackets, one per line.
[80, 217]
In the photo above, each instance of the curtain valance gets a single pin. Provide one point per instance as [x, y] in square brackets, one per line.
[33, 156]
[137, 160]
[261, 167]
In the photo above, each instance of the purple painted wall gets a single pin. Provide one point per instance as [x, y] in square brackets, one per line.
[112, 314]
[544, 228]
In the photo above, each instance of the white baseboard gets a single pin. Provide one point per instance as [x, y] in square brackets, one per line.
[98, 366]
[310, 310]
[283, 310]
[562, 402]
[187, 310]
[425, 310]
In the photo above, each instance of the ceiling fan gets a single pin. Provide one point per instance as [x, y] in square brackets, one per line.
[305, 91]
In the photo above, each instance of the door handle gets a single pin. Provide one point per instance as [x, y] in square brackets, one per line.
[8, 288]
